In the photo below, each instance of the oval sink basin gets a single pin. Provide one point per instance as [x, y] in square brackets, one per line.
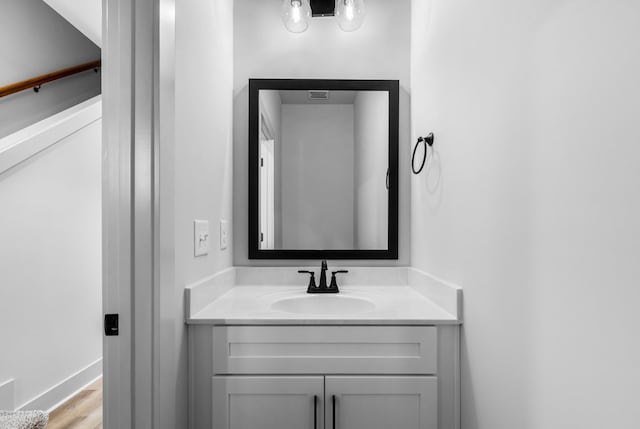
[323, 305]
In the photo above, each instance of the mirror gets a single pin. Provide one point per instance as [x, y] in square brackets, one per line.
[323, 160]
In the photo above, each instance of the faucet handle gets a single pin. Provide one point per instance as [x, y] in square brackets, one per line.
[334, 283]
[312, 279]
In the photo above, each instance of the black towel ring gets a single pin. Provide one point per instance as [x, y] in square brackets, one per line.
[428, 142]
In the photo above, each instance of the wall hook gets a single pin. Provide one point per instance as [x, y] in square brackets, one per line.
[428, 142]
[36, 88]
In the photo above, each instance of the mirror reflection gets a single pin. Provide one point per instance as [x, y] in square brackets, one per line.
[324, 162]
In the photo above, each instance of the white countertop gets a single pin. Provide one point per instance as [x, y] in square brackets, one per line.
[251, 305]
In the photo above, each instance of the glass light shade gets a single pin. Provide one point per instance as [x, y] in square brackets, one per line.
[296, 15]
[350, 14]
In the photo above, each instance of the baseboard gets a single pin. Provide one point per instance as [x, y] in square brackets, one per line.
[67, 388]
[7, 395]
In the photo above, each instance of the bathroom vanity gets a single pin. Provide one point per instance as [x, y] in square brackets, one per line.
[270, 350]
[381, 354]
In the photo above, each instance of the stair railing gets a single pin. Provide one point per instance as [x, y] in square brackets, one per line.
[36, 82]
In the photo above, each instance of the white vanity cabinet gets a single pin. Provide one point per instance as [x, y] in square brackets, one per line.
[265, 402]
[324, 377]
[381, 402]
[354, 402]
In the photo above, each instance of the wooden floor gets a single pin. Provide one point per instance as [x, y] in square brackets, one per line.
[83, 411]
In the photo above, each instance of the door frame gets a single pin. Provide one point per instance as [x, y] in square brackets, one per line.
[137, 84]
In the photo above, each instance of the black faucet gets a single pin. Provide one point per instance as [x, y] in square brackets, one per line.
[322, 287]
[323, 274]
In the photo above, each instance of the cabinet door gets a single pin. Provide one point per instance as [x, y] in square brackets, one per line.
[381, 402]
[268, 402]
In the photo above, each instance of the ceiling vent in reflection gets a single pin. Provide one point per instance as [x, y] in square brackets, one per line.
[318, 95]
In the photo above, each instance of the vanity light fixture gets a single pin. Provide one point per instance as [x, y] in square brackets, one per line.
[296, 13]
[350, 14]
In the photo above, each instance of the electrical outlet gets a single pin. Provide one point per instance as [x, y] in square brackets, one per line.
[201, 238]
[224, 234]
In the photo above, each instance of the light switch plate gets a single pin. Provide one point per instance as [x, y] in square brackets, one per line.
[201, 237]
[224, 234]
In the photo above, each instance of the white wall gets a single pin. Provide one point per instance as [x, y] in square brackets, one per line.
[265, 49]
[46, 43]
[317, 176]
[50, 260]
[203, 182]
[203, 160]
[532, 203]
[371, 160]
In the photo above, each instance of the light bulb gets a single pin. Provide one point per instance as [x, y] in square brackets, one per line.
[295, 15]
[350, 14]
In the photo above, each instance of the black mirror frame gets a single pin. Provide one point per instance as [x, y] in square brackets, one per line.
[255, 85]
